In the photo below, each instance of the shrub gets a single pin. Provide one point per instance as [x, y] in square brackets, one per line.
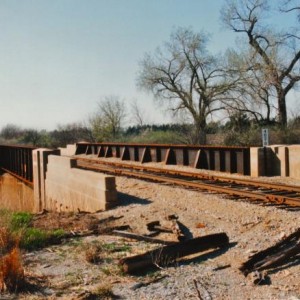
[11, 271]
[250, 137]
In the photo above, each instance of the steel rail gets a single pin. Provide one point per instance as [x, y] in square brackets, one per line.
[232, 180]
[251, 195]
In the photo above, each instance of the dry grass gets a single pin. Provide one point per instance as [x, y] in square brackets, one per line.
[93, 253]
[8, 240]
[11, 268]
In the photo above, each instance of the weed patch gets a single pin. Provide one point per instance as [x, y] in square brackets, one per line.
[104, 291]
[17, 226]
[20, 220]
[34, 238]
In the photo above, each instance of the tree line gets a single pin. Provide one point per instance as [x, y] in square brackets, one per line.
[239, 129]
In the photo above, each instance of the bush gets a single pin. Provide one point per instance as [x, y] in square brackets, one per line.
[11, 271]
[250, 137]
[157, 137]
[287, 136]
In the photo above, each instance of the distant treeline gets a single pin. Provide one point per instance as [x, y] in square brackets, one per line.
[238, 130]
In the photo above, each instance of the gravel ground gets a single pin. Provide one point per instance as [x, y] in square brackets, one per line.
[251, 227]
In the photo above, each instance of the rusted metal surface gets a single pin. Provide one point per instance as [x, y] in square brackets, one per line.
[239, 188]
[17, 160]
[218, 158]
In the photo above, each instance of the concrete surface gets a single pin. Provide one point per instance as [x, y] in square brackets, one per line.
[71, 189]
[15, 195]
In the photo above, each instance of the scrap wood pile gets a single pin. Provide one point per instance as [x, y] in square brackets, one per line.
[171, 251]
[168, 254]
[284, 252]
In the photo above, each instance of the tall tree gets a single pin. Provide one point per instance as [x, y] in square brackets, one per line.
[251, 95]
[187, 77]
[277, 54]
[107, 121]
[138, 114]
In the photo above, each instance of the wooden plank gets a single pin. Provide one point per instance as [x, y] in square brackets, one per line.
[168, 254]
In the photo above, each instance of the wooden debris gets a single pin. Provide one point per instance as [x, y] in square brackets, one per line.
[175, 227]
[260, 278]
[222, 267]
[171, 225]
[273, 256]
[155, 226]
[141, 284]
[139, 237]
[168, 254]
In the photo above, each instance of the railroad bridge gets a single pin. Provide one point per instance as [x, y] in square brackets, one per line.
[63, 179]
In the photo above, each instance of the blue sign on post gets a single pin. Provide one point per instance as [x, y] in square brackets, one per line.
[265, 137]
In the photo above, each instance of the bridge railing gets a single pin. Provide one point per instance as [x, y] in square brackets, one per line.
[218, 158]
[17, 160]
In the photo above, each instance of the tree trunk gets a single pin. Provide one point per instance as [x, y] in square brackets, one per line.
[282, 113]
[200, 133]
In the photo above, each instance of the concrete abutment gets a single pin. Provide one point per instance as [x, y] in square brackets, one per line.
[58, 186]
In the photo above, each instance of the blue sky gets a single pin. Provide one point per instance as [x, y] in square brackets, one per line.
[58, 58]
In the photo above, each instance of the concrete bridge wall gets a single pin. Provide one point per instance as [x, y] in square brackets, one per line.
[276, 160]
[58, 186]
[15, 195]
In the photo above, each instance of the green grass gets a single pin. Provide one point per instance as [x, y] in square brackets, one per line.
[34, 238]
[30, 238]
[20, 220]
[113, 247]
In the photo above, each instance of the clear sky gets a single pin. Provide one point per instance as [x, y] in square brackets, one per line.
[59, 57]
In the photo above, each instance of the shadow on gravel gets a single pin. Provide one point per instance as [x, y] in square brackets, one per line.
[207, 255]
[126, 199]
[196, 260]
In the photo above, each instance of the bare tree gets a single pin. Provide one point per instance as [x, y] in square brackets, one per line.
[251, 94]
[187, 77]
[107, 121]
[277, 54]
[138, 114]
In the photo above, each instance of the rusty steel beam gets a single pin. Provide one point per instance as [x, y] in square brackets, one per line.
[218, 158]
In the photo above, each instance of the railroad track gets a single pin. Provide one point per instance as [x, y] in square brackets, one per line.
[284, 195]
